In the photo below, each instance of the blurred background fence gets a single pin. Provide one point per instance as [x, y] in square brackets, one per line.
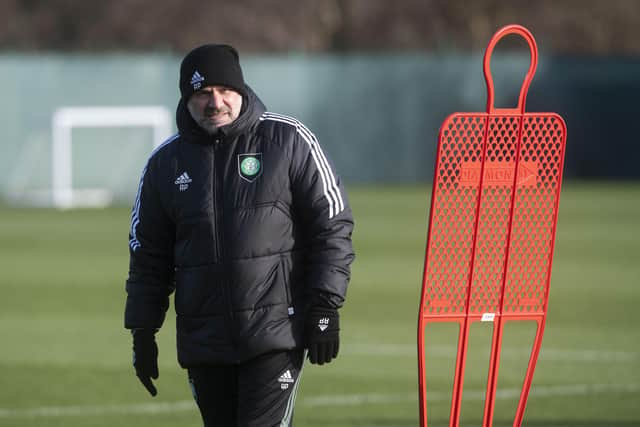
[377, 114]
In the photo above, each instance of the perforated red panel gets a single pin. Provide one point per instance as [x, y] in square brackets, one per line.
[450, 252]
[493, 221]
[453, 219]
[535, 214]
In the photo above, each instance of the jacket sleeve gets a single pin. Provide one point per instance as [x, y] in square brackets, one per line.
[151, 241]
[321, 204]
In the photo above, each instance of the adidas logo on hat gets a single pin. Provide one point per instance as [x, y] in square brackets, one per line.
[196, 80]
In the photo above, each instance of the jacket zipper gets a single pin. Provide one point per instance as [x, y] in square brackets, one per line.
[218, 215]
[216, 203]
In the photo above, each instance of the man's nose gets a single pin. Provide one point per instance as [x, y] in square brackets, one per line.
[215, 100]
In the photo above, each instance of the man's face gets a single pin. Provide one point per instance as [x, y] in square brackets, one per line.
[214, 106]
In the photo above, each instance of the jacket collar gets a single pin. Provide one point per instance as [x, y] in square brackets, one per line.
[252, 109]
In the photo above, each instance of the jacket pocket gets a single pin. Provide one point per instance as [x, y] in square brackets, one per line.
[294, 272]
[285, 270]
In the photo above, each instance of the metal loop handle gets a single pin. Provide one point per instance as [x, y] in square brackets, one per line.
[533, 48]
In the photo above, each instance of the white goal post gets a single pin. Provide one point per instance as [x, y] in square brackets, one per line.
[66, 118]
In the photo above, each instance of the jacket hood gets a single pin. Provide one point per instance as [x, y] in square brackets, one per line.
[252, 109]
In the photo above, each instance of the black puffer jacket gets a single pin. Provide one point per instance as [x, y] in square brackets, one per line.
[246, 226]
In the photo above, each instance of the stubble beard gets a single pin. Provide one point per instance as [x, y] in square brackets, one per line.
[210, 127]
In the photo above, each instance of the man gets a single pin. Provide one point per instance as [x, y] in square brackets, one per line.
[242, 214]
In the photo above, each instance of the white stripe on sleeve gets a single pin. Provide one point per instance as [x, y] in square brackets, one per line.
[134, 243]
[330, 187]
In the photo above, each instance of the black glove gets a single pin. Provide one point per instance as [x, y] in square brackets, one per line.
[145, 357]
[322, 334]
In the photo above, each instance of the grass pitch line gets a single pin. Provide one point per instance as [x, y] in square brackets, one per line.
[319, 401]
[508, 353]
[91, 410]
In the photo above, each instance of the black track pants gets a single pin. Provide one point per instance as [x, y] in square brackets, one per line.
[258, 393]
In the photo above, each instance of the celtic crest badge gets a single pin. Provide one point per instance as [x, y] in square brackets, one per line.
[250, 166]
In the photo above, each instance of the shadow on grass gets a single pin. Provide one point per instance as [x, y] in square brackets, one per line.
[374, 421]
[534, 423]
[404, 422]
[558, 423]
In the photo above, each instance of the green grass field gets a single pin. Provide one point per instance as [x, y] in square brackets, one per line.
[65, 358]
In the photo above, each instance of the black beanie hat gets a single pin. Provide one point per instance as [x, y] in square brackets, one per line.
[211, 65]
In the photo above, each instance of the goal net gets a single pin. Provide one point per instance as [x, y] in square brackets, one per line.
[98, 151]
